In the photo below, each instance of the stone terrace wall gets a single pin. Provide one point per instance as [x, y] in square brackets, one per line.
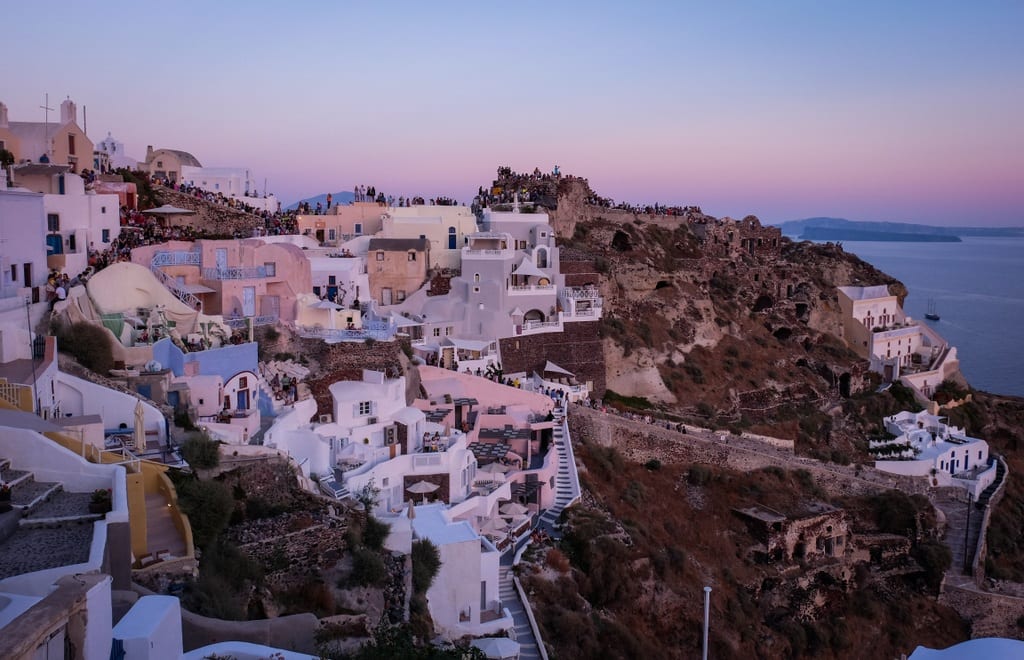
[578, 348]
[639, 441]
[991, 615]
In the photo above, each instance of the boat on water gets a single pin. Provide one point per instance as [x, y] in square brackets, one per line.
[931, 314]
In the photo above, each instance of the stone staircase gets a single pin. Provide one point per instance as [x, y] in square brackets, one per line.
[46, 527]
[986, 495]
[567, 485]
[510, 600]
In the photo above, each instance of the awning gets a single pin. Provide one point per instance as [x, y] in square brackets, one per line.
[403, 321]
[195, 288]
[550, 366]
[527, 268]
[468, 344]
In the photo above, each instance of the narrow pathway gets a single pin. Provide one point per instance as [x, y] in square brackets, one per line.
[161, 534]
[510, 600]
[567, 484]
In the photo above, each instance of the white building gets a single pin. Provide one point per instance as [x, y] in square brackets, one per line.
[237, 182]
[464, 598]
[22, 266]
[925, 446]
[112, 151]
[446, 227]
[77, 221]
[895, 345]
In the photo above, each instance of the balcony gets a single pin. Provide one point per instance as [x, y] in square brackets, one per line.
[581, 293]
[235, 273]
[243, 322]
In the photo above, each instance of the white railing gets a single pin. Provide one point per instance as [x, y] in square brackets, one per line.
[378, 331]
[235, 273]
[530, 288]
[240, 323]
[581, 293]
[537, 325]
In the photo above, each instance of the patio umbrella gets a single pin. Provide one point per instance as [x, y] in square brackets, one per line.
[497, 648]
[328, 305]
[167, 209]
[139, 436]
[495, 468]
[494, 525]
[422, 488]
[513, 509]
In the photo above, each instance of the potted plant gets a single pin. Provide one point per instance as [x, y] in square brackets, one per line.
[100, 501]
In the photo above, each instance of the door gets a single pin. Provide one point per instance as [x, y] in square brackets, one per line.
[222, 259]
[27, 272]
[385, 296]
[243, 399]
[54, 245]
[249, 301]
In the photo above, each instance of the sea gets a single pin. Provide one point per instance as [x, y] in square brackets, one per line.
[978, 290]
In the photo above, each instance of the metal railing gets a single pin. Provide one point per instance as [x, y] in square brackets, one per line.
[581, 293]
[176, 258]
[172, 285]
[243, 322]
[235, 273]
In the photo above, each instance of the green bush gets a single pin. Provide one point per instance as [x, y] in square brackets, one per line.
[200, 451]
[653, 464]
[375, 533]
[90, 344]
[208, 505]
[935, 558]
[426, 561]
[368, 568]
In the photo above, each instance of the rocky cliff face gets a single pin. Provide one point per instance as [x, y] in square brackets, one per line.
[713, 318]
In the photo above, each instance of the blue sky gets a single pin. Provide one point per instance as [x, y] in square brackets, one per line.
[875, 111]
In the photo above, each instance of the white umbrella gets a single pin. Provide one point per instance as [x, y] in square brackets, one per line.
[167, 209]
[330, 306]
[494, 525]
[497, 648]
[422, 488]
[495, 468]
[513, 509]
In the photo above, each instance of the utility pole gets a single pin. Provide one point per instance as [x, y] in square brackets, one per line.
[967, 530]
[707, 609]
[46, 119]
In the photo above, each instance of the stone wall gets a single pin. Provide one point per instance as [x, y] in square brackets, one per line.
[991, 615]
[577, 348]
[639, 441]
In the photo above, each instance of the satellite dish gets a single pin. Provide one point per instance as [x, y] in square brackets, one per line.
[153, 365]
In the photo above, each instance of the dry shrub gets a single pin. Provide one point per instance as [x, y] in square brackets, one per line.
[557, 560]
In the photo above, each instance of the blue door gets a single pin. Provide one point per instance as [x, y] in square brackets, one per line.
[243, 399]
[54, 244]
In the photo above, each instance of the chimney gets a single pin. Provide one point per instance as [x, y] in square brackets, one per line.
[3, 116]
[149, 153]
[68, 112]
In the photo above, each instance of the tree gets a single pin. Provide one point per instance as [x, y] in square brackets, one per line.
[208, 505]
[426, 561]
[201, 451]
[90, 345]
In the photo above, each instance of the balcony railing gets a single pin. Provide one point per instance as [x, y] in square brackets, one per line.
[581, 293]
[373, 330]
[177, 258]
[531, 288]
[240, 323]
[235, 273]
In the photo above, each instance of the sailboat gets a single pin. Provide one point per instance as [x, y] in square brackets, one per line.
[931, 314]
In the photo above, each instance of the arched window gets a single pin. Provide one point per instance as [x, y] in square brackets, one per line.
[542, 258]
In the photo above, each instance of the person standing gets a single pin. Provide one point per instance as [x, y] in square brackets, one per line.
[329, 198]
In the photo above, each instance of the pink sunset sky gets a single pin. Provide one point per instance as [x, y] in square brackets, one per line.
[906, 111]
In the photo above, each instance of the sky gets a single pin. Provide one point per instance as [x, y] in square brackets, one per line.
[902, 111]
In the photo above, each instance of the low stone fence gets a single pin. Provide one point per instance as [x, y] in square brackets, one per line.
[990, 614]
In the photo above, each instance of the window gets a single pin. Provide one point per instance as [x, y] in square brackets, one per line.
[332, 280]
[106, 236]
[365, 407]
[476, 277]
[400, 295]
[159, 163]
[412, 256]
[14, 272]
[103, 209]
[52, 222]
[448, 331]
[72, 247]
[71, 145]
[437, 332]
[331, 234]
[271, 268]
[243, 383]
[380, 255]
[358, 228]
[476, 289]
[316, 290]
